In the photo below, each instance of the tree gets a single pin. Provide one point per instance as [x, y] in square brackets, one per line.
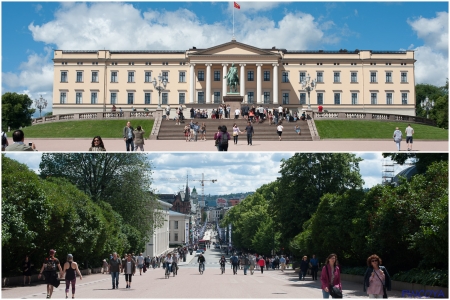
[300, 187]
[16, 111]
[121, 179]
[440, 110]
[421, 160]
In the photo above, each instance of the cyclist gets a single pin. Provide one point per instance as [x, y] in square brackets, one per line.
[222, 262]
[234, 261]
[201, 261]
[168, 262]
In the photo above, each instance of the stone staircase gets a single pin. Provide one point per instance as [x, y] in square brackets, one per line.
[263, 131]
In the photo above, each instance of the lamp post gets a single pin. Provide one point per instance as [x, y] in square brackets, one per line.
[158, 87]
[309, 85]
[40, 104]
[427, 105]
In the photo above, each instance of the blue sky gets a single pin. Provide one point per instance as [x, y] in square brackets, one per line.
[30, 30]
[235, 172]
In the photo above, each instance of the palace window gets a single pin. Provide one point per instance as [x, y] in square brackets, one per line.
[404, 98]
[201, 76]
[319, 77]
[354, 77]
[216, 97]
[130, 98]
[266, 97]
[114, 98]
[285, 77]
[64, 76]
[373, 98]
[337, 77]
[250, 97]
[354, 98]
[201, 97]
[373, 76]
[94, 97]
[216, 75]
[79, 76]
[181, 98]
[285, 98]
[266, 75]
[182, 77]
[388, 98]
[63, 98]
[302, 98]
[250, 76]
[148, 76]
[404, 77]
[388, 77]
[337, 98]
[303, 76]
[147, 98]
[175, 223]
[113, 76]
[165, 75]
[164, 98]
[79, 98]
[319, 98]
[94, 76]
[130, 76]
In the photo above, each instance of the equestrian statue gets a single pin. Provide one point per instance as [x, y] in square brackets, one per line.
[232, 79]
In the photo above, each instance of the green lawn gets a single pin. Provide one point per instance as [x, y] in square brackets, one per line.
[85, 129]
[366, 129]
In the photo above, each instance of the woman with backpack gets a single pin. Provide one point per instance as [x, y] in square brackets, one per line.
[223, 137]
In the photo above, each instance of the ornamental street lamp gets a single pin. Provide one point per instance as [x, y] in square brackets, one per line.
[309, 85]
[40, 104]
[158, 86]
[427, 105]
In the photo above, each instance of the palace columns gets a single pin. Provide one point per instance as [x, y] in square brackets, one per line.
[192, 83]
[208, 83]
[258, 83]
[275, 83]
[224, 82]
[242, 80]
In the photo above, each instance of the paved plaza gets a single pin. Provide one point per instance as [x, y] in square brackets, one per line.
[344, 145]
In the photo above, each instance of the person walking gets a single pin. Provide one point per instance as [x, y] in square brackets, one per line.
[283, 263]
[252, 264]
[314, 267]
[128, 136]
[304, 265]
[331, 275]
[71, 270]
[203, 131]
[245, 261]
[50, 267]
[140, 263]
[397, 137]
[129, 269]
[237, 112]
[186, 132]
[279, 130]
[261, 263]
[376, 278]
[250, 133]
[26, 270]
[236, 132]
[409, 137]
[139, 138]
[115, 267]
[223, 137]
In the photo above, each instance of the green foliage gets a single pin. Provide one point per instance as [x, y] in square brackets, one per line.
[369, 129]
[300, 187]
[49, 113]
[422, 160]
[86, 129]
[354, 270]
[16, 111]
[431, 277]
[438, 94]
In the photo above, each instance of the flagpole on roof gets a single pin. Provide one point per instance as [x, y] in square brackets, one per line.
[233, 20]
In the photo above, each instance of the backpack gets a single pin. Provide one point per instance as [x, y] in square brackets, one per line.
[224, 139]
[4, 139]
[234, 259]
[50, 264]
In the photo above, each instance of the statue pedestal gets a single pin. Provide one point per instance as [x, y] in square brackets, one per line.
[234, 100]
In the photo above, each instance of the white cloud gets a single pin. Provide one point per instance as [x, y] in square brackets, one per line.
[432, 58]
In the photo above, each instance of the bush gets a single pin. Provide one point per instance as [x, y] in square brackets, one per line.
[433, 277]
[354, 270]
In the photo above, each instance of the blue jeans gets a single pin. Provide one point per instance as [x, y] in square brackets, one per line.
[249, 139]
[245, 269]
[129, 143]
[116, 276]
[325, 294]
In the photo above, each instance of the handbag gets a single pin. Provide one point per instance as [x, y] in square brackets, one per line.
[384, 286]
[334, 291]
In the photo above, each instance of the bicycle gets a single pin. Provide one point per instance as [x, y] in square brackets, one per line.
[201, 268]
[168, 270]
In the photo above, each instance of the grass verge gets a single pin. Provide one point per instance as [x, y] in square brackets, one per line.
[86, 129]
[366, 129]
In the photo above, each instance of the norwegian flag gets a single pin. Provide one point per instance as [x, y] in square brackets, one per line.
[237, 5]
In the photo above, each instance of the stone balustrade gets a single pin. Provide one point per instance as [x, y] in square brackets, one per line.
[94, 116]
[371, 116]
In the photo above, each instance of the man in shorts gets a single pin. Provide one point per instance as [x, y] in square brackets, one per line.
[49, 268]
[140, 263]
[409, 136]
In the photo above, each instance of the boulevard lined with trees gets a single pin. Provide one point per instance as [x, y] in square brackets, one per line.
[81, 203]
[318, 206]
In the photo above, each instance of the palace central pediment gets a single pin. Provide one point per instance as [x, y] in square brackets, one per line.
[232, 48]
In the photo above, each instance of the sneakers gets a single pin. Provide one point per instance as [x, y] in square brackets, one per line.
[127, 286]
[114, 287]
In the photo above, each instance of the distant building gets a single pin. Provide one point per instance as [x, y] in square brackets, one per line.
[178, 228]
[159, 241]
[233, 202]
[180, 202]
[221, 202]
[407, 173]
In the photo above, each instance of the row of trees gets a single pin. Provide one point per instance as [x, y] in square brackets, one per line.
[299, 213]
[85, 204]
[440, 97]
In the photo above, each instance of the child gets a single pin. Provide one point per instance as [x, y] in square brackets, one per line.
[297, 129]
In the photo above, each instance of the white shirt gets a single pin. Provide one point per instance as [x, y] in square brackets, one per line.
[280, 127]
[169, 260]
[409, 131]
[237, 111]
[280, 109]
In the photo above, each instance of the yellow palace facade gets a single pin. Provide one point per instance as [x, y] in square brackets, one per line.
[346, 81]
